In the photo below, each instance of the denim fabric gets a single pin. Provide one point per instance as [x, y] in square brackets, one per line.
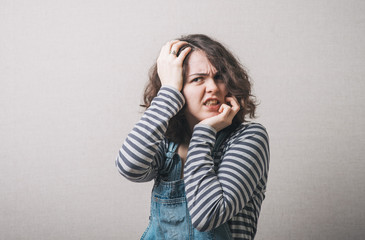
[170, 217]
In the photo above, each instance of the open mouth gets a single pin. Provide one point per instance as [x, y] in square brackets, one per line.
[211, 102]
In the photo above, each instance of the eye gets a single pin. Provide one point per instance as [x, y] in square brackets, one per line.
[198, 79]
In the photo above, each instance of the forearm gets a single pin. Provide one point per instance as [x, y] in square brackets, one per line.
[141, 152]
[215, 197]
[202, 186]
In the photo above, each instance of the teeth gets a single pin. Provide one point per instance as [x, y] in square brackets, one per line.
[211, 102]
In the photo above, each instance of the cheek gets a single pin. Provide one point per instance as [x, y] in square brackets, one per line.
[223, 89]
[192, 94]
[188, 95]
[191, 104]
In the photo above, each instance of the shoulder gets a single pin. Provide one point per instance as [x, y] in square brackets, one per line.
[251, 130]
[250, 140]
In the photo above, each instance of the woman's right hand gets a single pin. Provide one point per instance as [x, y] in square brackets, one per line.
[169, 66]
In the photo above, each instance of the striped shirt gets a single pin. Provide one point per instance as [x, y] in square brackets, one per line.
[234, 192]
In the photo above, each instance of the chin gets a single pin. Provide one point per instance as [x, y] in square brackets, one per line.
[210, 115]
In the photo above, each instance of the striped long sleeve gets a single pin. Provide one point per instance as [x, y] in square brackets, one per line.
[215, 197]
[143, 150]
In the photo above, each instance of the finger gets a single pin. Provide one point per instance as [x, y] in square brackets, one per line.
[183, 54]
[167, 47]
[224, 110]
[234, 103]
[229, 112]
[172, 42]
[232, 99]
[176, 46]
[235, 107]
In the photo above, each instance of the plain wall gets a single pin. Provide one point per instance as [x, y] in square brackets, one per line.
[72, 74]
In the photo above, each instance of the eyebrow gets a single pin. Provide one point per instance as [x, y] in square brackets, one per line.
[199, 74]
[205, 74]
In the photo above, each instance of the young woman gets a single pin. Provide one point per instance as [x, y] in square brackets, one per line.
[209, 164]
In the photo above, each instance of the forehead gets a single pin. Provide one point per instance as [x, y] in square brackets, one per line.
[199, 63]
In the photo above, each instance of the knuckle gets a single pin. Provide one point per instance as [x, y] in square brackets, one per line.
[176, 64]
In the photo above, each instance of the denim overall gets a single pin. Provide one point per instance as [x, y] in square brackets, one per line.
[170, 217]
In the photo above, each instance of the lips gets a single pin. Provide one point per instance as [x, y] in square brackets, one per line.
[211, 102]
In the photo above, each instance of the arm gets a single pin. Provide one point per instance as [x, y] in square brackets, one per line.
[214, 198]
[143, 150]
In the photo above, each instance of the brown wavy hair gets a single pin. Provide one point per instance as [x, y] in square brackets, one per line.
[230, 70]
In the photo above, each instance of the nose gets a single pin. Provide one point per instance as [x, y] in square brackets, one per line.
[211, 85]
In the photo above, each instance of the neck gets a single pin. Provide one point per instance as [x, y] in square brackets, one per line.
[191, 123]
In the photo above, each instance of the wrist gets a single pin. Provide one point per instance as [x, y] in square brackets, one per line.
[214, 124]
[176, 87]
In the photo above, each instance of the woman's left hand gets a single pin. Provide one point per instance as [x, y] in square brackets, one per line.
[225, 116]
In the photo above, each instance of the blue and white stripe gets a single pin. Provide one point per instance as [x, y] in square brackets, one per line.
[143, 150]
[233, 193]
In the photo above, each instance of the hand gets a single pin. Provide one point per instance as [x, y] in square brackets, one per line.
[169, 65]
[225, 116]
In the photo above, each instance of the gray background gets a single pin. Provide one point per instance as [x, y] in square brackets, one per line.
[72, 74]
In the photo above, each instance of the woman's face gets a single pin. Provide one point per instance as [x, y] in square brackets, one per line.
[204, 90]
